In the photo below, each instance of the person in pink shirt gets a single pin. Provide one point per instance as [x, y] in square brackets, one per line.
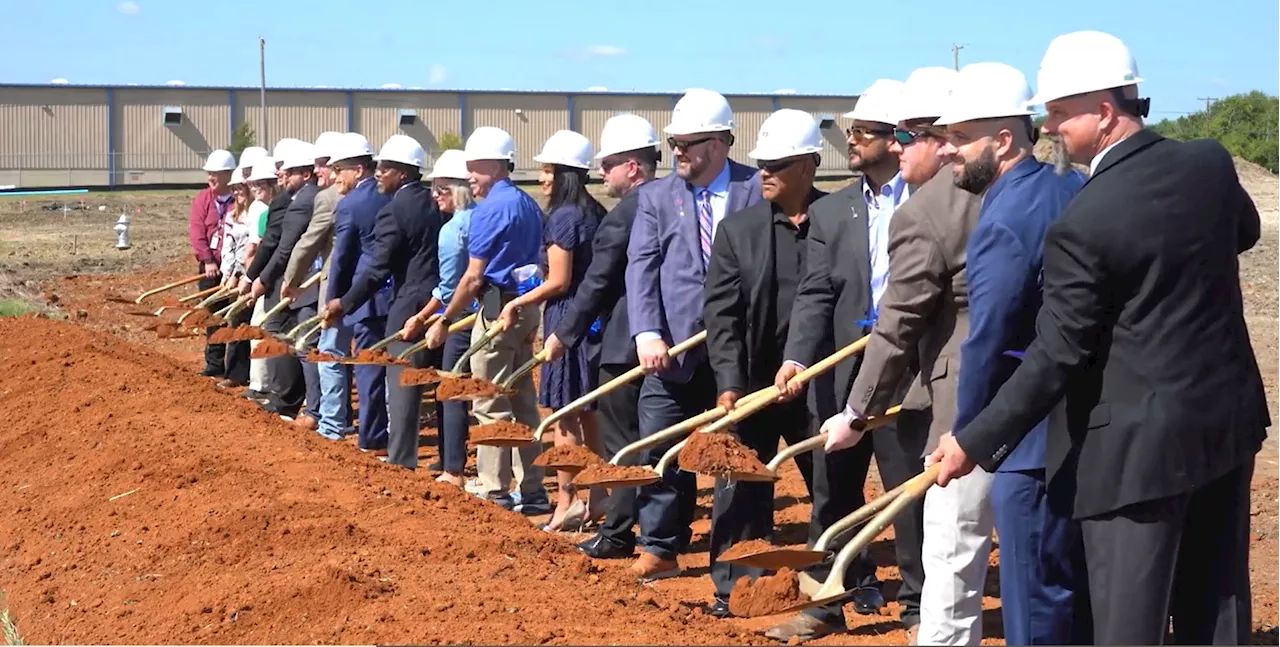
[209, 210]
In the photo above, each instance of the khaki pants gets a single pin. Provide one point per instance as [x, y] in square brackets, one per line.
[512, 348]
[257, 367]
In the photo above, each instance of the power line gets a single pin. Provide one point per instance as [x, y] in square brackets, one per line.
[955, 55]
[1208, 103]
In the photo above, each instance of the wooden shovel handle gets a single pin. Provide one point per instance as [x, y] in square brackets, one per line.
[311, 280]
[176, 284]
[810, 444]
[199, 295]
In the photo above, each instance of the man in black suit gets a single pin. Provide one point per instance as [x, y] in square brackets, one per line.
[757, 262]
[1142, 332]
[831, 310]
[406, 250]
[629, 157]
[290, 382]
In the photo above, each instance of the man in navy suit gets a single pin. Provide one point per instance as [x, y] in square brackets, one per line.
[667, 258]
[353, 249]
[990, 141]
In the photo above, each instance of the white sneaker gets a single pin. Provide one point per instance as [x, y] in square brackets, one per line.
[473, 486]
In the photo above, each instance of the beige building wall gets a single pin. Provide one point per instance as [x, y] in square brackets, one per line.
[748, 115]
[144, 142]
[52, 128]
[436, 113]
[835, 148]
[298, 114]
[530, 118]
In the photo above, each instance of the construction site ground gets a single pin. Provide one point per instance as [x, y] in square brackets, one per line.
[143, 506]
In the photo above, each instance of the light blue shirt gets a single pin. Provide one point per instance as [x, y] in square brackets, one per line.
[453, 256]
[880, 209]
[719, 189]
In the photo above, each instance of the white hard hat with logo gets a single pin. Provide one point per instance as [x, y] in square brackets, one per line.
[489, 143]
[987, 91]
[220, 160]
[1082, 62]
[299, 155]
[325, 143]
[566, 148]
[787, 133]
[452, 165]
[350, 146]
[263, 170]
[879, 102]
[700, 111]
[624, 133]
[402, 149]
[926, 92]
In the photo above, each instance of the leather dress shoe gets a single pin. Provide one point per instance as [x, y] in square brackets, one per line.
[867, 600]
[601, 547]
[720, 609]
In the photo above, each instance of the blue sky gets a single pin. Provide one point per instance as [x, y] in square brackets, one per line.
[1185, 49]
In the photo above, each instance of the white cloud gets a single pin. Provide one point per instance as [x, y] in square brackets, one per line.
[128, 8]
[595, 51]
[437, 74]
[784, 91]
[597, 88]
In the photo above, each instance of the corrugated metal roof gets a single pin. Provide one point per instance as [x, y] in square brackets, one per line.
[248, 88]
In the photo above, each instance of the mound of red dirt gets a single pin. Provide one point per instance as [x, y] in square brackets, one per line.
[143, 507]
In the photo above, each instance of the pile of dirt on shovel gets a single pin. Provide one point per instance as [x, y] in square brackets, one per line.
[465, 387]
[142, 507]
[243, 332]
[720, 453]
[571, 456]
[270, 347]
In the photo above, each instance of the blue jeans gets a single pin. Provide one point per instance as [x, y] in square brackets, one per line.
[451, 429]
[335, 382]
[371, 384]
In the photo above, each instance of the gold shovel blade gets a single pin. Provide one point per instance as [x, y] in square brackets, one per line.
[777, 558]
[750, 476]
[635, 481]
[504, 442]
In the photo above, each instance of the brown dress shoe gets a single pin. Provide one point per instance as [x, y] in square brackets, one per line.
[306, 422]
[649, 567]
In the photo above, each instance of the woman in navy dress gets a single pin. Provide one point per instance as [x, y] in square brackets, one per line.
[570, 226]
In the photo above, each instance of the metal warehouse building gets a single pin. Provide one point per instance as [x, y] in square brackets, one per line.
[104, 136]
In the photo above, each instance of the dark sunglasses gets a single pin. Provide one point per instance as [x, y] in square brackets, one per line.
[776, 166]
[906, 137]
[608, 164]
[686, 145]
[861, 132]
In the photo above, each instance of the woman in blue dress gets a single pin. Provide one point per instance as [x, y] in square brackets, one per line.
[572, 218]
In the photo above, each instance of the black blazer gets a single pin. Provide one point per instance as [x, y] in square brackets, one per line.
[741, 308]
[270, 240]
[295, 221]
[1142, 331]
[603, 290]
[406, 241]
[835, 292]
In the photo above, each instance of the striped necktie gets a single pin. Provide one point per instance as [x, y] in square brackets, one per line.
[704, 225]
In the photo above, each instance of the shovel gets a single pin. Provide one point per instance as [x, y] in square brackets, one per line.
[220, 293]
[613, 384]
[537, 360]
[461, 325]
[203, 293]
[488, 336]
[832, 590]
[176, 284]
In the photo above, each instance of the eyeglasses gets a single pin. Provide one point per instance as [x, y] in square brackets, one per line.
[608, 164]
[905, 137]
[441, 190]
[860, 132]
[776, 166]
[686, 145]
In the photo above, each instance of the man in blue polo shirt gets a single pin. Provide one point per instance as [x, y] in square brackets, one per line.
[505, 235]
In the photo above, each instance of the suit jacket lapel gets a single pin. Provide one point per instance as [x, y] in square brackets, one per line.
[1124, 149]
[860, 235]
[686, 210]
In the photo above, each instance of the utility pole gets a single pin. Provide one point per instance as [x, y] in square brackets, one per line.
[262, 92]
[1208, 103]
[955, 54]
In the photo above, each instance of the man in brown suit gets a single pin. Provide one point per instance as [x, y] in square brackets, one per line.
[920, 324]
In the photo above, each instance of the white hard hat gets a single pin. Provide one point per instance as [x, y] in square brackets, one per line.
[878, 103]
[787, 133]
[263, 169]
[282, 148]
[325, 143]
[220, 160]
[452, 164]
[1084, 61]
[404, 150]
[926, 92]
[700, 111]
[300, 155]
[489, 143]
[566, 148]
[987, 91]
[623, 133]
[251, 155]
[237, 176]
[349, 146]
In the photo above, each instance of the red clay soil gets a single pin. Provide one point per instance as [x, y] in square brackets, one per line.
[465, 387]
[243, 332]
[199, 318]
[270, 347]
[766, 595]
[568, 457]
[419, 376]
[314, 356]
[500, 430]
[174, 331]
[235, 527]
[751, 547]
[605, 472]
[378, 357]
[719, 453]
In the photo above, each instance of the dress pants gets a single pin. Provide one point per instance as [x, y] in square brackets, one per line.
[404, 408]
[371, 386]
[1185, 556]
[214, 354]
[507, 352]
[285, 381]
[1042, 580]
[619, 427]
[957, 545]
[257, 367]
[335, 382]
[310, 370]
[898, 449]
[237, 358]
[666, 508]
[451, 423]
[741, 511]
